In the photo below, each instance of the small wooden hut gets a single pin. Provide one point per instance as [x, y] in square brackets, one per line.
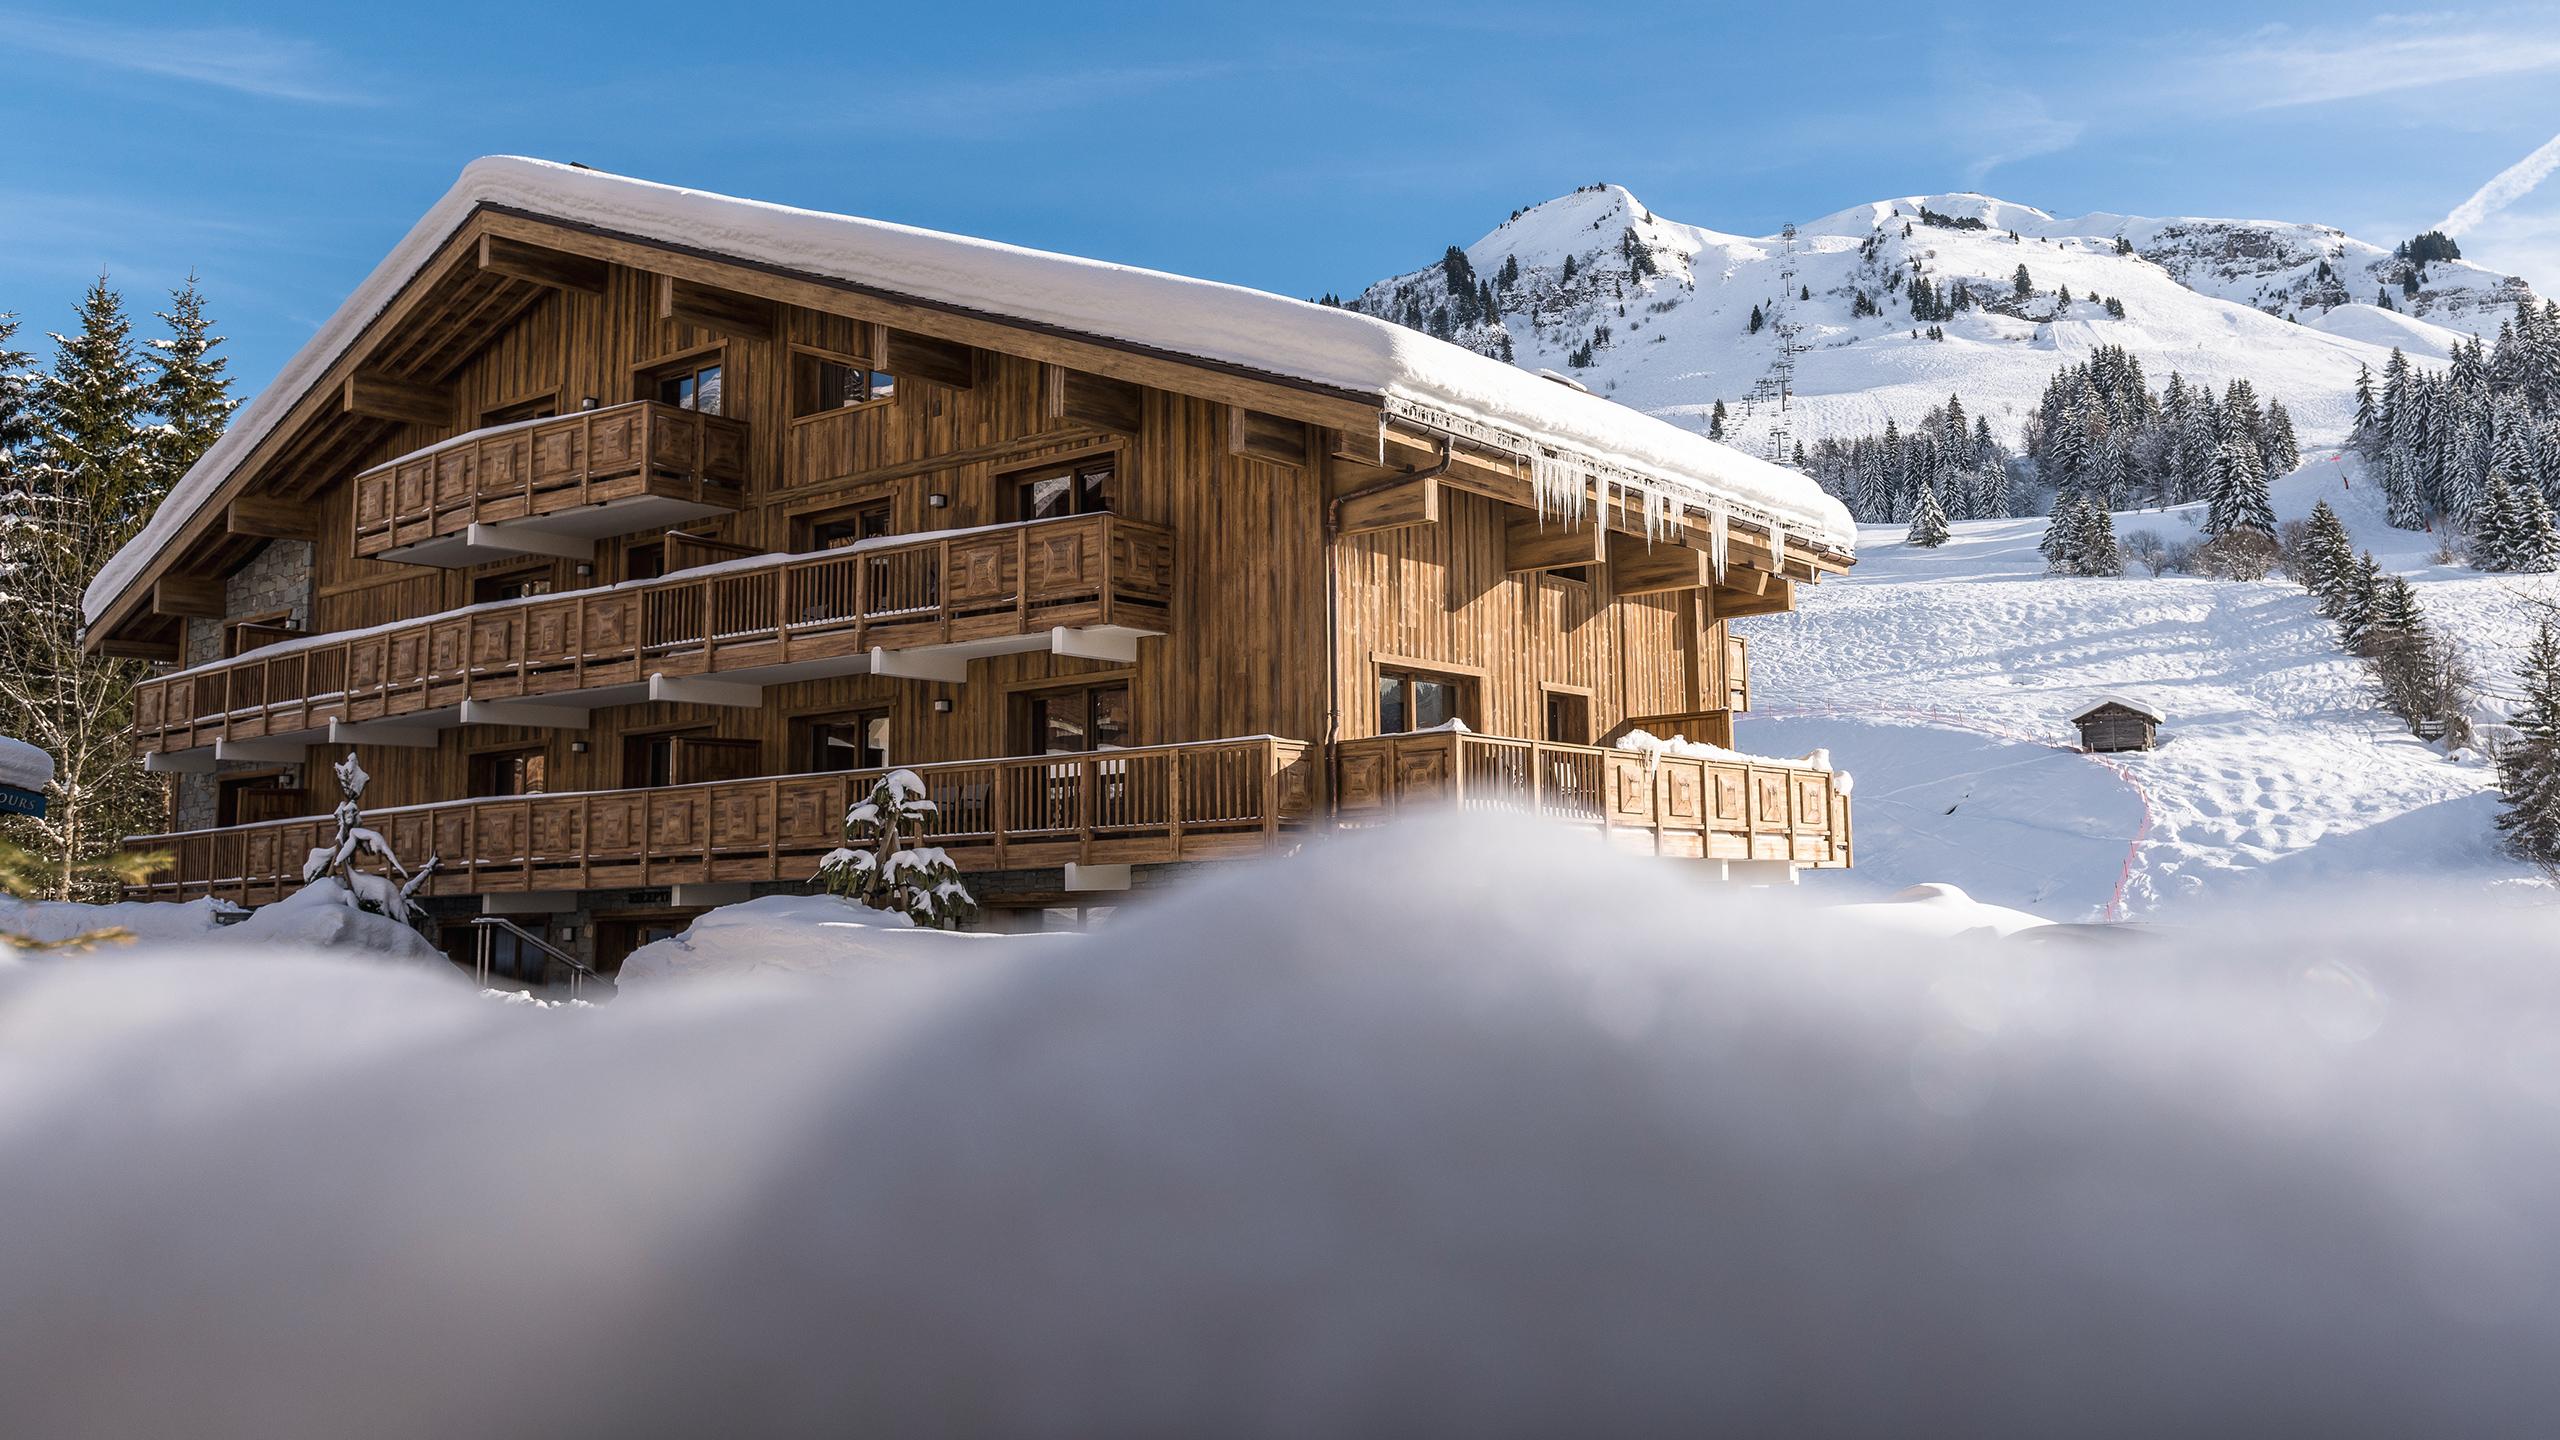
[2113, 722]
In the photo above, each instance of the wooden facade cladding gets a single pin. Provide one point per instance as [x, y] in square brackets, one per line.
[536, 468]
[1273, 577]
[1665, 805]
[1149, 805]
[936, 589]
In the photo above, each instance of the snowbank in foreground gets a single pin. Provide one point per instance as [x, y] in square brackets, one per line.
[1942, 910]
[1429, 1133]
[312, 920]
[805, 936]
[47, 921]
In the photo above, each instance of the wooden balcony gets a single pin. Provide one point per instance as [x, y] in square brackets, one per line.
[551, 487]
[1214, 800]
[1690, 808]
[771, 620]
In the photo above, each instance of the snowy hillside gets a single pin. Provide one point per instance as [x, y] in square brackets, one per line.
[1658, 314]
[1942, 679]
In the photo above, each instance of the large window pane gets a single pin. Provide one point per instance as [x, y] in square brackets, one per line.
[1048, 497]
[1391, 706]
[1435, 703]
[1110, 716]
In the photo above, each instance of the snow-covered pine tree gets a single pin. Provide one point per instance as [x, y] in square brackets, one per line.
[2278, 449]
[2096, 553]
[882, 866]
[78, 490]
[2493, 528]
[2358, 594]
[2328, 558]
[17, 404]
[1928, 520]
[2060, 546]
[188, 386]
[1715, 422]
[2240, 500]
[2534, 544]
[2365, 412]
[2529, 765]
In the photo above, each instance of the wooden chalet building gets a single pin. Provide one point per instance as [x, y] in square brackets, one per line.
[621, 529]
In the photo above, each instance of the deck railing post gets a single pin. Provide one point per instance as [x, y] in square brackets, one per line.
[1270, 793]
[1173, 799]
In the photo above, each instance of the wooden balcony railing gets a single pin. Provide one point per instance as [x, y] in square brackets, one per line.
[542, 467]
[1699, 809]
[1158, 803]
[965, 585]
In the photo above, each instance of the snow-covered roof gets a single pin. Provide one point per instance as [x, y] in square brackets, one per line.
[2139, 707]
[23, 765]
[1409, 374]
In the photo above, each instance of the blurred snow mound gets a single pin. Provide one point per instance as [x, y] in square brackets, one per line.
[802, 937]
[1438, 1132]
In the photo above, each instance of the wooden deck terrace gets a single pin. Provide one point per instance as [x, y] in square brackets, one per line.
[533, 486]
[1156, 804]
[1672, 805]
[1103, 578]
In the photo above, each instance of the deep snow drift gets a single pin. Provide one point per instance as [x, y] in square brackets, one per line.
[1588, 1149]
[1943, 679]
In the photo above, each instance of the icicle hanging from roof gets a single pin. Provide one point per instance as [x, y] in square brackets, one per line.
[1777, 549]
[1559, 486]
[1719, 534]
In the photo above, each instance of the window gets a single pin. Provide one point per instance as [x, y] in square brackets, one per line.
[858, 741]
[512, 585]
[1411, 700]
[539, 407]
[644, 560]
[694, 385]
[507, 772]
[835, 529]
[820, 385]
[249, 632]
[248, 799]
[1081, 488]
[1070, 722]
[686, 758]
[1073, 918]
[1568, 718]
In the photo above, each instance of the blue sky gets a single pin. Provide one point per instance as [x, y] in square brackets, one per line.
[280, 149]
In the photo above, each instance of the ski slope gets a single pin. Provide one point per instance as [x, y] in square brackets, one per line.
[1942, 680]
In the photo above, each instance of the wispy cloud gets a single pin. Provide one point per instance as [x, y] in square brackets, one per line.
[2278, 68]
[244, 59]
[2504, 189]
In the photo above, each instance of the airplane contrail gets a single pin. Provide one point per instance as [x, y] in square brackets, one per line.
[2504, 189]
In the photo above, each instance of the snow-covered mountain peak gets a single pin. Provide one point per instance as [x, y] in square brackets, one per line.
[1898, 303]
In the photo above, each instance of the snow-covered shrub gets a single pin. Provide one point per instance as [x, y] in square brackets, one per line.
[2146, 549]
[2236, 555]
[335, 863]
[881, 865]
